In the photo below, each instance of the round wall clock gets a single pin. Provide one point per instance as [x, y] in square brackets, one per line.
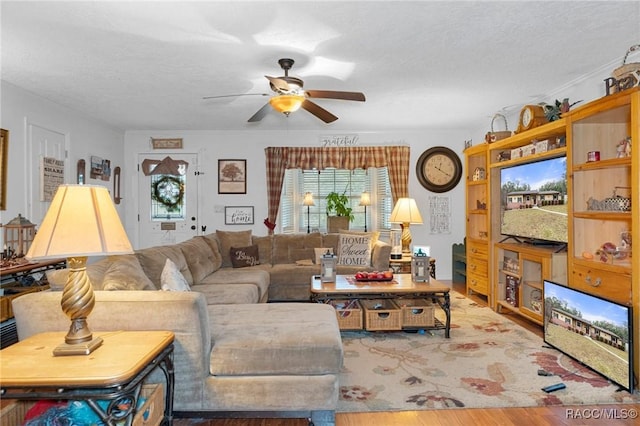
[439, 169]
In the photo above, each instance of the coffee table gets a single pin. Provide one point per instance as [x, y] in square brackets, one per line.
[402, 286]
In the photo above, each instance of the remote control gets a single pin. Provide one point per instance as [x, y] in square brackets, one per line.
[555, 387]
[544, 373]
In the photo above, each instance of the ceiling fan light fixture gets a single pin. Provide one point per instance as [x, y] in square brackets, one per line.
[286, 104]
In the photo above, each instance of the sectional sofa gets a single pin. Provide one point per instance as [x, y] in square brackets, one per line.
[234, 354]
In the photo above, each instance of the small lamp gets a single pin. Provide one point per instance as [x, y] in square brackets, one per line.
[81, 221]
[308, 201]
[406, 212]
[365, 200]
[286, 104]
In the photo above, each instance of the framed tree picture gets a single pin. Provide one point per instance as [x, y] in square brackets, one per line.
[232, 176]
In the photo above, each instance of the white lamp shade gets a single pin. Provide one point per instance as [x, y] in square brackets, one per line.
[365, 199]
[308, 199]
[405, 211]
[81, 221]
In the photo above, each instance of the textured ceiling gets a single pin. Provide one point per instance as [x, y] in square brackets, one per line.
[147, 65]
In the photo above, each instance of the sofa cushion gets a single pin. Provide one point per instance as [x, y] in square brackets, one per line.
[242, 257]
[255, 275]
[200, 258]
[264, 247]
[283, 242]
[274, 338]
[224, 294]
[153, 260]
[354, 250]
[57, 278]
[230, 239]
[296, 254]
[214, 244]
[125, 273]
[171, 279]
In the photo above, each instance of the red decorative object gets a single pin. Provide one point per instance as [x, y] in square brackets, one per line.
[269, 225]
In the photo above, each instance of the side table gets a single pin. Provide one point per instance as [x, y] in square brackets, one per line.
[114, 372]
[403, 266]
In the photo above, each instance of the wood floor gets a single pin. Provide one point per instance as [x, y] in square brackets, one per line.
[612, 415]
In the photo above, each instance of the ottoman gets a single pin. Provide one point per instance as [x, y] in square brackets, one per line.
[276, 357]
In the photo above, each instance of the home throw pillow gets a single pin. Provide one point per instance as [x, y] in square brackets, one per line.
[172, 279]
[354, 250]
[241, 257]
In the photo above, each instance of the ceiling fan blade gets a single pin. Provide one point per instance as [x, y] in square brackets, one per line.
[333, 94]
[232, 96]
[260, 114]
[278, 84]
[318, 111]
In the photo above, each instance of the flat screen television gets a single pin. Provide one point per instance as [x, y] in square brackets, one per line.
[534, 201]
[594, 331]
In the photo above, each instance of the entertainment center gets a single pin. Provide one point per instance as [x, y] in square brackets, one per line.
[527, 224]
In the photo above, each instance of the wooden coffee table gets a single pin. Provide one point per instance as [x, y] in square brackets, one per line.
[402, 286]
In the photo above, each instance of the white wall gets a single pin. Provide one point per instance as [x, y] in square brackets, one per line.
[214, 145]
[85, 137]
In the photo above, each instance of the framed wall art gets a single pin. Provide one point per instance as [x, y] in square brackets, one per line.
[4, 153]
[175, 143]
[232, 176]
[238, 215]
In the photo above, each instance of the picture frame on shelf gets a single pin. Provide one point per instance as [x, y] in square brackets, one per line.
[232, 176]
[238, 215]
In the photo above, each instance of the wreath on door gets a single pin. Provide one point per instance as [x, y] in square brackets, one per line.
[168, 191]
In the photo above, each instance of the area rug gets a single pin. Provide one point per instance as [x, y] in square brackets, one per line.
[489, 361]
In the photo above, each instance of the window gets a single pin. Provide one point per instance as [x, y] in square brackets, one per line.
[294, 217]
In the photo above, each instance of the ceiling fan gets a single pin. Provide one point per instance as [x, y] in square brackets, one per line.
[290, 96]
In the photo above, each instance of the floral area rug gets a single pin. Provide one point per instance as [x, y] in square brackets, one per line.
[489, 361]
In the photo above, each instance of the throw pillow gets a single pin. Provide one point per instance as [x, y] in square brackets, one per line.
[230, 239]
[354, 250]
[172, 279]
[241, 257]
[321, 251]
[125, 273]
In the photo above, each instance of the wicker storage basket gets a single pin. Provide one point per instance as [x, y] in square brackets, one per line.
[150, 413]
[626, 71]
[349, 314]
[381, 315]
[417, 312]
[494, 135]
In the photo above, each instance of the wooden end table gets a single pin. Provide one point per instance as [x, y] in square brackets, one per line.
[402, 286]
[115, 371]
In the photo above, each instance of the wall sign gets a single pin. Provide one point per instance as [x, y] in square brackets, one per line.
[338, 140]
[175, 143]
[51, 177]
[238, 215]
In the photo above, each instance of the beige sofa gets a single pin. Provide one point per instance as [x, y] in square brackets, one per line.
[232, 353]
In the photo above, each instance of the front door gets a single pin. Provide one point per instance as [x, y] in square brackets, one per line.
[43, 144]
[167, 203]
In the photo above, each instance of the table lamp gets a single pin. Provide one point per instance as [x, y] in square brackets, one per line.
[81, 221]
[365, 200]
[406, 212]
[308, 201]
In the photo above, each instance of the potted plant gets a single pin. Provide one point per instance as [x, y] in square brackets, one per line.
[338, 213]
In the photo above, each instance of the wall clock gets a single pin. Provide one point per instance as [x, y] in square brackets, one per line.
[439, 169]
[531, 116]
